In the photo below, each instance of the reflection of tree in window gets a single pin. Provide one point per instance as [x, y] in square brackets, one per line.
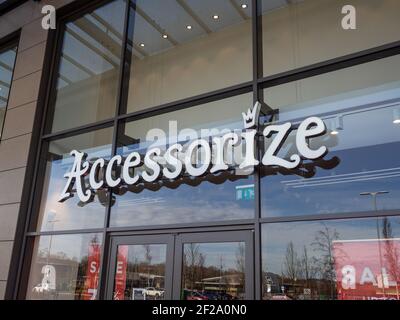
[290, 264]
[325, 263]
[240, 258]
[391, 254]
[194, 262]
[148, 259]
[306, 271]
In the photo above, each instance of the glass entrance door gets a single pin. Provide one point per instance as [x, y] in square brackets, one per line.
[188, 266]
[141, 268]
[214, 266]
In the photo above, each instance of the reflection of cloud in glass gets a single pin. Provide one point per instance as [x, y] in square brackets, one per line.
[216, 254]
[137, 253]
[186, 204]
[337, 190]
[68, 214]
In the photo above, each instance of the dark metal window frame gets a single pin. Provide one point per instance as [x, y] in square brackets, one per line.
[26, 234]
[8, 43]
[175, 242]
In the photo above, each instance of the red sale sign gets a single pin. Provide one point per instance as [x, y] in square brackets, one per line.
[367, 269]
[92, 273]
[120, 273]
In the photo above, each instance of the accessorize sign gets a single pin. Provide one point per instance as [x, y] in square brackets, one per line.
[178, 160]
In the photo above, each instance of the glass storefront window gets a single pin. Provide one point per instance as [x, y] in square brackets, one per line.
[181, 49]
[300, 33]
[65, 267]
[219, 197]
[213, 271]
[87, 82]
[7, 60]
[185, 48]
[340, 259]
[361, 108]
[140, 272]
[72, 214]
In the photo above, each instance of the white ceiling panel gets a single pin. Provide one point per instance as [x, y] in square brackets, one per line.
[268, 5]
[146, 34]
[172, 18]
[206, 9]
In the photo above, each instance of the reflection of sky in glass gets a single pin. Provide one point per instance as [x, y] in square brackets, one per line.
[73, 247]
[218, 255]
[69, 214]
[186, 204]
[66, 215]
[277, 236]
[7, 59]
[137, 253]
[363, 156]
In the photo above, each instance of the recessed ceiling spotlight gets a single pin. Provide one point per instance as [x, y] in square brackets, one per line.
[165, 36]
[142, 45]
[189, 27]
[244, 6]
[215, 17]
[396, 116]
[336, 125]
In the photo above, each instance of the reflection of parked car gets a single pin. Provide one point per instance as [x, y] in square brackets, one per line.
[138, 293]
[226, 296]
[153, 292]
[194, 295]
[42, 287]
[211, 295]
[280, 297]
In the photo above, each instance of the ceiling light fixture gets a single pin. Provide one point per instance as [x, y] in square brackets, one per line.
[215, 17]
[337, 125]
[244, 6]
[165, 36]
[396, 115]
[142, 45]
[189, 27]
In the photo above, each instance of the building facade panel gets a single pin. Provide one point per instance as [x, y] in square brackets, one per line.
[2, 289]
[29, 61]
[5, 251]
[9, 217]
[11, 185]
[19, 121]
[14, 152]
[32, 34]
[25, 90]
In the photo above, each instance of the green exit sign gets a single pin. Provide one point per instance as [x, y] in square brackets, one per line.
[245, 192]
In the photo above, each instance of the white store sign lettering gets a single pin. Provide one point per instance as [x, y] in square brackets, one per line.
[177, 160]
